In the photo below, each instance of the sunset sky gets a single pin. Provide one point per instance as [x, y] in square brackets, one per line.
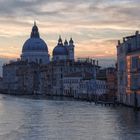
[95, 25]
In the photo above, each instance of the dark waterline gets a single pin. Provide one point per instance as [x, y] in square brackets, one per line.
[31, 119]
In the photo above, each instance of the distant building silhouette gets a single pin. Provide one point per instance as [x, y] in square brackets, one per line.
[35, 73]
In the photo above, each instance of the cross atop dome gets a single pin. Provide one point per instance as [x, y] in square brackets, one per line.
[34, 23]
[60, 40]
[35, 32]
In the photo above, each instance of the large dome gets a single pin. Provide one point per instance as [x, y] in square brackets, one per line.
[60, 49]
[34, 44]
[35, 48]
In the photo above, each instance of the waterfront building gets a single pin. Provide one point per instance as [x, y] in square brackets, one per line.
[128, 63]
[109, 75]
[72, 82]
[111, 80]
[101, 87]
[56, 71]
[83, 85]
[89, 88]
[34, 73]
[20, 77]
[45, 81]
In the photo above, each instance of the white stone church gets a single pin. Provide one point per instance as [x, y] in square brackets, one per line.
[36, 50]
[35, 73]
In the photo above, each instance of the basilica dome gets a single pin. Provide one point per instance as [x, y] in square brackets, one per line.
[35, 49]
[34, 43]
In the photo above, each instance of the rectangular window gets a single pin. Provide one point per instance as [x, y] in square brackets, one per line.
[134, 62]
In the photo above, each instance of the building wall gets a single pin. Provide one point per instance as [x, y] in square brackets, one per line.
[121, 73]
[78, 87]
[56, 72]
[128, 57]
[60, 58]
[71, 86]
[101, 87]
[111, 80]
[20, 78]
[37, 57]
[10, 80]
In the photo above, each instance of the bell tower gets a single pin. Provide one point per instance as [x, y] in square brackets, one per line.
[71, 49]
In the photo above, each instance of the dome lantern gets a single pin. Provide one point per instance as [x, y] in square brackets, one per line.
[60, 40]
[71, 41]
[35, 32]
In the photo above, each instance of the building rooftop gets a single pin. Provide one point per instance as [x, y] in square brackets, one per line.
[19, 62]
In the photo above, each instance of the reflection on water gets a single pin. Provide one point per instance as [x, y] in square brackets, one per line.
[30, 119]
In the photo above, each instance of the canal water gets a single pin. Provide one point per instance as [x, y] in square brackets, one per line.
[33, 119]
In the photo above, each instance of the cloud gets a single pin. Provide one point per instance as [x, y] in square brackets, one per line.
[97, 49]
[93, 24]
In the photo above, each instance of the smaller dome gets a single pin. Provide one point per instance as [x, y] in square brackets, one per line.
[60, 50]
